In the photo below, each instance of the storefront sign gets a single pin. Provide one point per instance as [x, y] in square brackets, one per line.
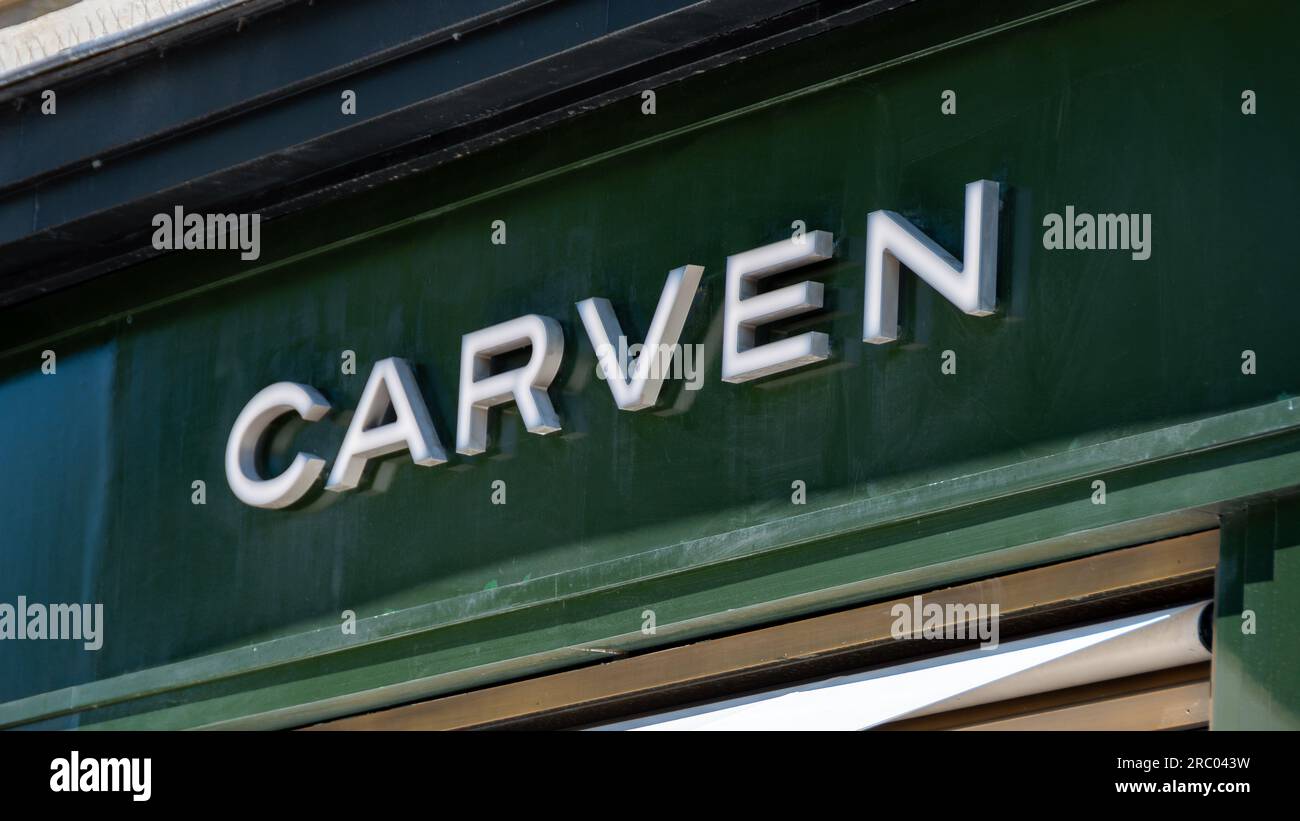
[391, 390]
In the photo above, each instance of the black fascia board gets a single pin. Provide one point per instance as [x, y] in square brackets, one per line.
[266, 132]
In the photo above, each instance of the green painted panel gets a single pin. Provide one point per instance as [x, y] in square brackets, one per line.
[1097, 364]
[1256, 682]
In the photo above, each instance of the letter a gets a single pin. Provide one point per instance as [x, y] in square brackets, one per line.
[392, 387]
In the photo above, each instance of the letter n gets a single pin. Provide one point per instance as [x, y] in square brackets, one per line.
[971, 284]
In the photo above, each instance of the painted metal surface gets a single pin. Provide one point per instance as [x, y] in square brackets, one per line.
[1256, 673]
[1097, 366]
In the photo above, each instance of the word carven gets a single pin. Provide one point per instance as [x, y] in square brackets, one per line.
[391, 390]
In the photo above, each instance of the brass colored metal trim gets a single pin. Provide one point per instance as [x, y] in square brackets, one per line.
[1065, 709]
[1182, 707]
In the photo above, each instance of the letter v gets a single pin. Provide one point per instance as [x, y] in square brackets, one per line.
[971, 284]
[640, 389]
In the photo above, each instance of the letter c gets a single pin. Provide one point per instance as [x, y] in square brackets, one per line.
[265, 407]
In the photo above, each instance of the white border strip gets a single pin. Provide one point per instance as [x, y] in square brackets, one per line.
[89, 28]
